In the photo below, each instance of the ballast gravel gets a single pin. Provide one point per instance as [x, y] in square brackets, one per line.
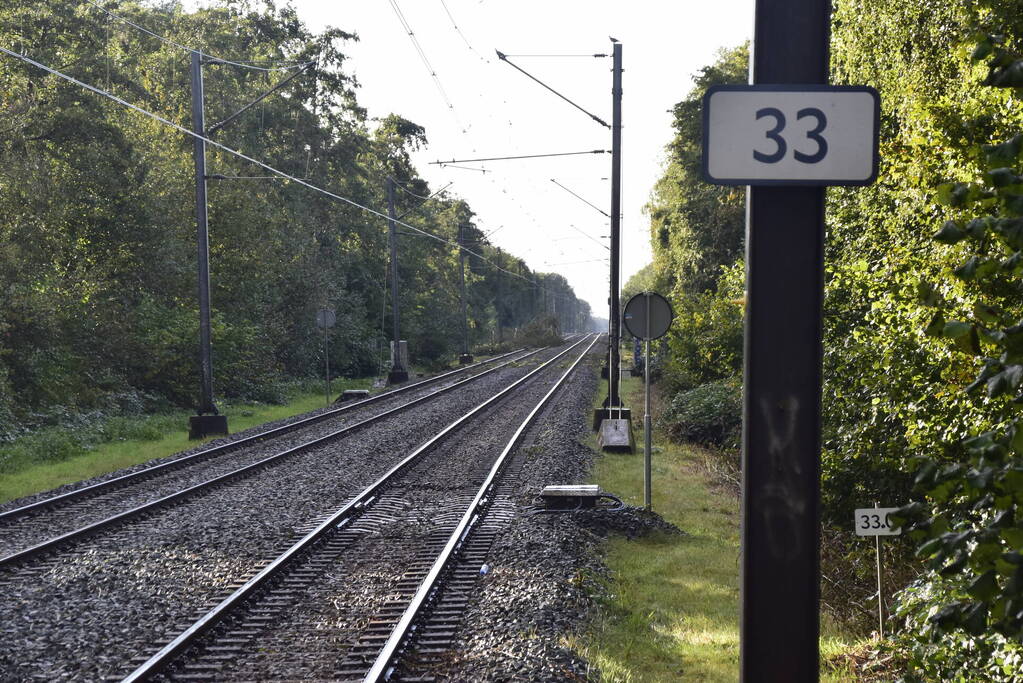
[82, 615]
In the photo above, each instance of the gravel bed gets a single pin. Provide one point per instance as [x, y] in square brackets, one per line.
[544, 569]
[360, 413]
[83, 615]
[42, 524]
[312, 638]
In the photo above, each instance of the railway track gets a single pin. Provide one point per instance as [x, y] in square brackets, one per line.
[83, 610]
[28, 531]
[396, 562]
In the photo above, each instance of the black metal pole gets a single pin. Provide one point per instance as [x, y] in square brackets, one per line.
[398, 371]
[500, 298]
[780, 581]
[202, 240]
[616, 225]
[465, 306]
[326, 358]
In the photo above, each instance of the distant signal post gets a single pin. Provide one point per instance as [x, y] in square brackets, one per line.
[786, 136]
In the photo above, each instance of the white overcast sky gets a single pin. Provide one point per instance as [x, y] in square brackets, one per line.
[499, 112]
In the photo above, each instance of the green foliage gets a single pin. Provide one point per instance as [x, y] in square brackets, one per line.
[97, 226]
[934, 653]
[706, 338]
[543, 331]
[709, 415]
[973, 527]
[696, 227]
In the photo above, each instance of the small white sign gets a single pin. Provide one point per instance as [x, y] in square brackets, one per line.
[790, 135]
[875, 522]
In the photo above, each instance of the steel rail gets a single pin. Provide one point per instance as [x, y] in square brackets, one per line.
[124, 480]
[473, 515]
[162, 659]
[241, 472]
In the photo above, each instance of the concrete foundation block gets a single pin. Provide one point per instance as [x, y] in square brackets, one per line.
[465, 359]
[615, 436]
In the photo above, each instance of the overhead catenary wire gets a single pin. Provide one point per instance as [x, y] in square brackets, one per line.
[465, 40]
[245, 157]
[585, 201]
[426, 62]
[521, 156]
[208, 56]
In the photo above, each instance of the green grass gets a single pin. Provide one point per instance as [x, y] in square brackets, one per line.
[671, 611]
[52, 457]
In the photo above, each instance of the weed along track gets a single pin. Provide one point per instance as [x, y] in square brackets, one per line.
[371, 497]
[39, 527]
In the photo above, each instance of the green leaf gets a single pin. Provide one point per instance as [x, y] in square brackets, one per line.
[953, 194]
[955, 329]
[926, 294]
[1003, 154]
[987, 313]
[985, 586]
[1013, 204]
[950, 233]
[936, 327]
[1002, 177]
[968, 270]
[969, 343]
[974, 619]
[982, 50]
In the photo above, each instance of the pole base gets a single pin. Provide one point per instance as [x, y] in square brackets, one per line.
[615, 436]
[397, 376]
[465, 359]
[601, 414]
[201, 426]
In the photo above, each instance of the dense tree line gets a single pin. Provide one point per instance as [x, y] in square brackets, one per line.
[909, 322]
[97, 226]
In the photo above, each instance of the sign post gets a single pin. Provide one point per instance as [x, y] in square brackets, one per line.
[647, 316]
[786, 136]
[876, 522]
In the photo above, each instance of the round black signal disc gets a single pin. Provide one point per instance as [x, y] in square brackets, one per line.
[648, 315]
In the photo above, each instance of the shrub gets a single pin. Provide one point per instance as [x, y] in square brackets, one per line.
[710, 414]
[541, 331]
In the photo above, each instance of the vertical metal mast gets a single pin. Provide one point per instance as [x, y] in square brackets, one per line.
[466, 357]
[780, 582]
[202, 427]
[614, 401]
[398, 372]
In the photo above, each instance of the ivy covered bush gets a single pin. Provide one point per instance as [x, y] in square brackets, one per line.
[710, 414]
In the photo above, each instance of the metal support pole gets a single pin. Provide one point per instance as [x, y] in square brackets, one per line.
[465, 306]
[880, 598]
[613, 377]
[326, 360]
[500, 298]
[206, 404]
[647, 485]
[780, 576]
[398, 372]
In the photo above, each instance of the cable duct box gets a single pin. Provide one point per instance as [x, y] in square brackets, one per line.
[571, 496]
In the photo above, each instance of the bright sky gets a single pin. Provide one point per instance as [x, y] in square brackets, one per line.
[499, 112]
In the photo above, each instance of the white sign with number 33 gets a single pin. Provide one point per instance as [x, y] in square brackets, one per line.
[875, 522]
[790, 135]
